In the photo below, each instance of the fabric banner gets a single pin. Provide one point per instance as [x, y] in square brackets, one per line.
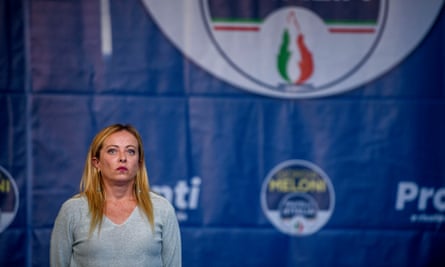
[284, 133]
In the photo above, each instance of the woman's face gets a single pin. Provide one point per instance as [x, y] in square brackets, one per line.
[119, 158]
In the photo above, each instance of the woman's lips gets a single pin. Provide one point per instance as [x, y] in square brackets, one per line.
[122, 169]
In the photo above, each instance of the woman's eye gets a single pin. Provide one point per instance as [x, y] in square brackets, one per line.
[131, 151]
[111, 151]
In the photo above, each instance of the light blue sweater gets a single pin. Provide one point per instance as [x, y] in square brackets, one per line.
[131, 243]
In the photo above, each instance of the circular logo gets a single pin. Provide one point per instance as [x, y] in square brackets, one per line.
[9, 199]
[297, 197]
[303, 47]
[295, 49]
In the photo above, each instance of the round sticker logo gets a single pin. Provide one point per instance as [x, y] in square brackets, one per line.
[297, 197]
[295, 49]
[9, 199]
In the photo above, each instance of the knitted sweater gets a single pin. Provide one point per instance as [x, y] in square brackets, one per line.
[131, 243]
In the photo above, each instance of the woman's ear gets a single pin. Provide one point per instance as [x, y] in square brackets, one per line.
[96, 163]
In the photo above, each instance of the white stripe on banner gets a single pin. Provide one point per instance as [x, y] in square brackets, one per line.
[105, 20]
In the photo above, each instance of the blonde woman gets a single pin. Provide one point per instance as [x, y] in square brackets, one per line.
[116, 220]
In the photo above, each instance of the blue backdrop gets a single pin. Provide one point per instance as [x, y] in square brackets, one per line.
[211, 145]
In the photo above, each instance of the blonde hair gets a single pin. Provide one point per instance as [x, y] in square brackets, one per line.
[91, 184]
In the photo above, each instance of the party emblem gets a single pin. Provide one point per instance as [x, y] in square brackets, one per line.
[297, 197]
[295, 48]
[9, 199]
[301, 47]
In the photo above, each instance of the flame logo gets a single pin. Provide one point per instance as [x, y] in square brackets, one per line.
[306, 63]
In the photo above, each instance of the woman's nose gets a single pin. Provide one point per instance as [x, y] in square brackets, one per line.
[122, 157]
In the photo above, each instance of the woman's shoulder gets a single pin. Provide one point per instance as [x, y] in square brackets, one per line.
[158, 199]
[73, 210]
[161, 204]
[164, 212]
[75, 203]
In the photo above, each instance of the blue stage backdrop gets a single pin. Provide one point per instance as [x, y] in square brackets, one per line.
[284, 133]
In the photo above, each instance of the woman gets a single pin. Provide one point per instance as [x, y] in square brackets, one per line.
[116, 220]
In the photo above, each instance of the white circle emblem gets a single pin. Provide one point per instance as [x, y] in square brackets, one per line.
[295, 49]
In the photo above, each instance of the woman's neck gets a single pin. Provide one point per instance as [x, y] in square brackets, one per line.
[119, 192]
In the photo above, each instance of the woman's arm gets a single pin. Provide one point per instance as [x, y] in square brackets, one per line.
[61, 239]
[171, 240]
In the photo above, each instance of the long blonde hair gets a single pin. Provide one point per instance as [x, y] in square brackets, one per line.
[92, 187]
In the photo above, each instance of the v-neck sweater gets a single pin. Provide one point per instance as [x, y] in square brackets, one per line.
[132, 243]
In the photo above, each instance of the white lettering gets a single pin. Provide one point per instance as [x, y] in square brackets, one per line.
[183, 196]
[181, 191]
[194, 194]
[425, 194]
[407, 191]
[164, 190]
[439, 199]
[410, 191]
